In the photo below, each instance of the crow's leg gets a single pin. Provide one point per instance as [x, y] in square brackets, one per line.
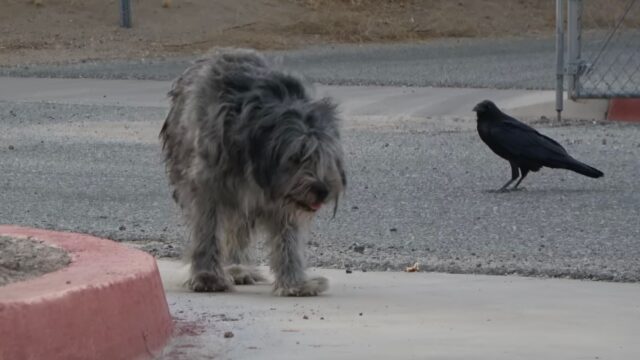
[514, 176]
[524, 172]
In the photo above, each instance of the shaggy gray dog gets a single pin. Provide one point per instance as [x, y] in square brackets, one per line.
[247, 149]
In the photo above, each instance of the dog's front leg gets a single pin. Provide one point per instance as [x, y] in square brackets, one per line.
[239, 255]
[287, 263]
[207, 274]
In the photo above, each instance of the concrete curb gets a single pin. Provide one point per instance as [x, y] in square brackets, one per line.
[624, 110]
[109, 303]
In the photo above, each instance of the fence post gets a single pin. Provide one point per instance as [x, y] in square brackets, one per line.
[574, 36]
[559, 57]
[125, 13]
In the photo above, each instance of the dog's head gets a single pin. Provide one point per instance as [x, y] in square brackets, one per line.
[295, 149]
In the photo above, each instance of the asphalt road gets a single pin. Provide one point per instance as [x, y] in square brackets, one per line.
[520, 63]
[417, 190]
[481, 63]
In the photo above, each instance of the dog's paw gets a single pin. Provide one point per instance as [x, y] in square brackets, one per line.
[210, 282]
[310, 287]
[244, 275]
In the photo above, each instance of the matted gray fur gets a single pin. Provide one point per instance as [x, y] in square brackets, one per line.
[248, 150]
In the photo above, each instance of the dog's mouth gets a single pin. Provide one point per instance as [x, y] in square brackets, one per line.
[310, 207]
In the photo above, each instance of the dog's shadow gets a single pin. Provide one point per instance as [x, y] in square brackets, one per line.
[175, 274]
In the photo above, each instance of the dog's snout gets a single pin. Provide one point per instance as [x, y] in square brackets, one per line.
[320, 190]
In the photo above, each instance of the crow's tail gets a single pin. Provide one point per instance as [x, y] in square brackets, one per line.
[583, 169]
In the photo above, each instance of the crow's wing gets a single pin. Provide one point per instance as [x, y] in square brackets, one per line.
[524, 142]
[515, 123]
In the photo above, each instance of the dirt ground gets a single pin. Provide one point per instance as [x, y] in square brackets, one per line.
[22, 259]
[82, 30]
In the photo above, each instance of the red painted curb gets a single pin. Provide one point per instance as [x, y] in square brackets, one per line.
[109, 303]
[624, 110]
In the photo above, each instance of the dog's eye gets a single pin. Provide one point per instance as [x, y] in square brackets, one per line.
[295, 160]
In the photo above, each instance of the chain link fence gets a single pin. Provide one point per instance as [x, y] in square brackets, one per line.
[603, 52]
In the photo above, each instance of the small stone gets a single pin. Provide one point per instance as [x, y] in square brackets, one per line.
[393, 230]
[11, 147]
[122, 228]
[321, 318]
[358, 248]
[228, 334]
[348, 271]
[305, 317]
[360, 314]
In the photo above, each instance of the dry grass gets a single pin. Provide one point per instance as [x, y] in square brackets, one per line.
[68, 30]
[400, 20]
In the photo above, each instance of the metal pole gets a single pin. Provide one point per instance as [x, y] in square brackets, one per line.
[574, 11]
[125, 13]
[559, 57]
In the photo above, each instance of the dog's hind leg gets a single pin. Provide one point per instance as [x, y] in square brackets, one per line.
[287, 263]
[206, 257]
[239, 255]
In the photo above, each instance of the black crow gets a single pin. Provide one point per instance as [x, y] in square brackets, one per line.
[524, 147]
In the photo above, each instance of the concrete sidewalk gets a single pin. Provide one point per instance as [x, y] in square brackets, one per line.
[409, 316]
[354, 100]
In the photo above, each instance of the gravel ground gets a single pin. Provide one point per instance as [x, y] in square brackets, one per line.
[22, 259]
[416, 192]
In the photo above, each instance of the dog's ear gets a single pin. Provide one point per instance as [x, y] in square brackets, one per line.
[343, 174]
[327, 111]
[343, 179]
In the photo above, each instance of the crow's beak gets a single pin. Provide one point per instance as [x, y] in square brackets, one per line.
[475, 108]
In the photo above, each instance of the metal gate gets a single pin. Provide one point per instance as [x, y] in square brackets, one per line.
[603, 59]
